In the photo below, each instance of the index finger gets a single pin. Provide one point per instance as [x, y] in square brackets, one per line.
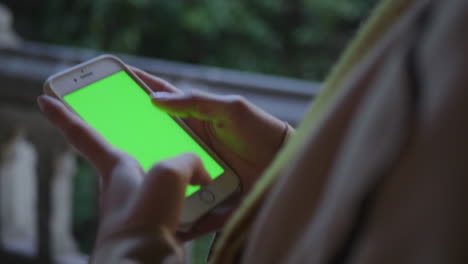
[84, 138]
[154, 83]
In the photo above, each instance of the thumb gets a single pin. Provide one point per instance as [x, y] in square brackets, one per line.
[163, 191]
[200, 105]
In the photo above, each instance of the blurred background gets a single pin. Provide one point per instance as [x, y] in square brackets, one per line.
[273, 52]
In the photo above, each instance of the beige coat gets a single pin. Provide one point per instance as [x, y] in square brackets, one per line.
[381, 174]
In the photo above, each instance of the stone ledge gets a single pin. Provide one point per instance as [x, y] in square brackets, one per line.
[25, 67]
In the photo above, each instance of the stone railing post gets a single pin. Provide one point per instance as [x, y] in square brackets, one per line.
[8, 38]
[37, 168]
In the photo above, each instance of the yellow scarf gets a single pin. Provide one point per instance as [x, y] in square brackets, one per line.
[237, 229]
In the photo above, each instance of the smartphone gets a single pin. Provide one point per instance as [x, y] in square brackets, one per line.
[106, 94]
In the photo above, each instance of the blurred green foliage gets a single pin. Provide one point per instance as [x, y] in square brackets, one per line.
[299, 38]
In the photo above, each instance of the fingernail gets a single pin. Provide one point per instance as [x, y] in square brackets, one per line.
[40, 102]
[162, 95]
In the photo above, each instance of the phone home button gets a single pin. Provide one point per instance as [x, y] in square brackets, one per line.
[206, 196]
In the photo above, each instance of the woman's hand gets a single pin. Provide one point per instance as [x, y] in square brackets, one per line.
[244, 136]
[134, 206]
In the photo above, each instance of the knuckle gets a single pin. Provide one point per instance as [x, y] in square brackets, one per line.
[236, 104]
[198, 102]
[116, 156]
[114, 161]
[236, 101]
[192, 157]
[165, 168]
[167, 85]
[174, 170]
[168, 175]
[197, 95]
[192, 95]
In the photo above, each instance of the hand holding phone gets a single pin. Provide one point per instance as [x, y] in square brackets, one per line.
[134, 205]
[241, 134]
[115, 103]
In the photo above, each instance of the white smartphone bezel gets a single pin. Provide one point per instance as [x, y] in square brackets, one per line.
[81, 75]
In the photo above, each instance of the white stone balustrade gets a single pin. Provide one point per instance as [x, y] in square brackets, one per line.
[24, 137]
[18, 193]
[8, 37]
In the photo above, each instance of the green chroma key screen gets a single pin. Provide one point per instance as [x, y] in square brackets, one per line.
[120, 110]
